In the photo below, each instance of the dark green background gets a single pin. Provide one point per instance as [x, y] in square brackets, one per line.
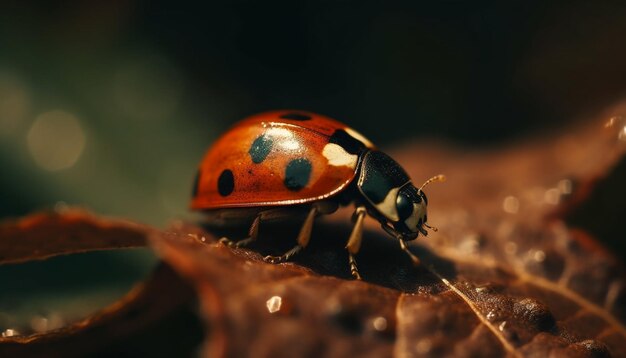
[154, 82]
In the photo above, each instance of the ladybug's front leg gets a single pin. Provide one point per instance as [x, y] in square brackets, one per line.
[389, 230]
[415, 259]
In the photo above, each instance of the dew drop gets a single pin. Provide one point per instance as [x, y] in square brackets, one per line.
[510, 205]
[9, 332]
[534, 313]
[491, 316]
[539, 256]
[502, 326]
[481, 289]
[380, 323]
[273, 304]
[508, 332]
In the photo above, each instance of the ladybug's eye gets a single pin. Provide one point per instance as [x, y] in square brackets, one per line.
[404, 205]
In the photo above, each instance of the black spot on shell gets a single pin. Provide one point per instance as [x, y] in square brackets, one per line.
[226, 183]
[297, 174]
[296, 116]
[347, 142]
[196, 181]
[260, 148]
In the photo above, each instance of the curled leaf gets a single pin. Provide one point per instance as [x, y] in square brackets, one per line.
[130, 324]
[52, 233]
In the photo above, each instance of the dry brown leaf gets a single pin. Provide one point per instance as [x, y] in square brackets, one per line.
[144, 311]
[65, 231]
[505, 275]
[111, 331]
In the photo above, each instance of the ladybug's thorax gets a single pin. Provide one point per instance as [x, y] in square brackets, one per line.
[388, 191]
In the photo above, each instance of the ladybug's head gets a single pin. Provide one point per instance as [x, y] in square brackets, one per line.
[394, 201]
[411, 206]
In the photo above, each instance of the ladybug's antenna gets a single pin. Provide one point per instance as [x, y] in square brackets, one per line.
[431, 227]
[436, 178]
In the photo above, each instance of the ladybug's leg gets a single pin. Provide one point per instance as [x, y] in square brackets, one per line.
[252, 235]
[415, 259]
[303, 238]
[354, 242]
[397, 235]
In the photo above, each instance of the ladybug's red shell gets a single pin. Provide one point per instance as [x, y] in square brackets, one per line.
[278, 158]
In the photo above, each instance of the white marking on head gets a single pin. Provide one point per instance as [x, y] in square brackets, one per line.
[338, 157]
[412, 220]
[419, 210]
[388, 206]
[358, 136]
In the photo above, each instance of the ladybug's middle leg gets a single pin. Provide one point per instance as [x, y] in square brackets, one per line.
[303, 238]
[354, 243]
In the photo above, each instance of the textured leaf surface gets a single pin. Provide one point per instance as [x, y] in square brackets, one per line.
[518, 267]
[505, 275]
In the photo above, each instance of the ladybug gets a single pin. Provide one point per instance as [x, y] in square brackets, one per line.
[282, 164]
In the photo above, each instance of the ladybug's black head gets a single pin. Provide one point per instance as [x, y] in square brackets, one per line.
[389, 191]
[411, 206]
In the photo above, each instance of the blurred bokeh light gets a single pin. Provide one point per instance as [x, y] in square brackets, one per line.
[56, 140]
